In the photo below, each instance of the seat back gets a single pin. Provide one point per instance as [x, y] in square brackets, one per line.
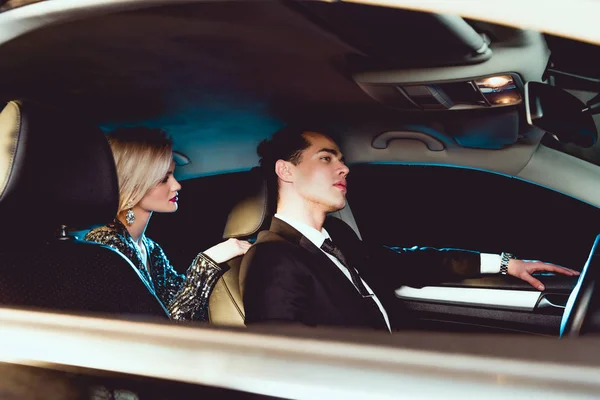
[226, 305]
[58, 173]
[249, 216]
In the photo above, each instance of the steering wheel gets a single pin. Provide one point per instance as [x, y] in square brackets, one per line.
[580, 312]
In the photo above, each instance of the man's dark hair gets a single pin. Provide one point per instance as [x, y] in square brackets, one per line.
[286, 144]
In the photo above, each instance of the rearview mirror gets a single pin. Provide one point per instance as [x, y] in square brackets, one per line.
[559, 113]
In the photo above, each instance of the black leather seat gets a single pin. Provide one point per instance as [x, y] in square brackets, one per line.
[57, 173]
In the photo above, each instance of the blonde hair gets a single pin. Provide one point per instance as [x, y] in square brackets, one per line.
[143, 157]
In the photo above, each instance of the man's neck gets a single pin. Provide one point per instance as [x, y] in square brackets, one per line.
[312, 218]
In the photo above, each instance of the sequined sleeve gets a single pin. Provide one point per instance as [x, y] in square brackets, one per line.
[187, 295]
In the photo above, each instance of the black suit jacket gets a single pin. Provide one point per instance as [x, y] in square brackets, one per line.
[286, 278]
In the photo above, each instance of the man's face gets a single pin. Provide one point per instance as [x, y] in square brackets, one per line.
[320, 176]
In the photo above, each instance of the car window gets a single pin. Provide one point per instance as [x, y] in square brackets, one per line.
[400, 205]
[571, 70]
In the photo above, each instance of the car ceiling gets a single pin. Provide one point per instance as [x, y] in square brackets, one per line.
[221, 76]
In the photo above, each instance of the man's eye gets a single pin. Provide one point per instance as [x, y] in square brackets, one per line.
[326, 158]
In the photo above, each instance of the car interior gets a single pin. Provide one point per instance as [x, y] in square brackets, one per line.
[438, 130]
[42, 266]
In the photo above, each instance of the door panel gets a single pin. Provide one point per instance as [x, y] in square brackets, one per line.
[490, 304]
[552, 282]
[444, 318]
[516, 300]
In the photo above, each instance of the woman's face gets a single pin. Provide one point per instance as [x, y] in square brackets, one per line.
[162, 197]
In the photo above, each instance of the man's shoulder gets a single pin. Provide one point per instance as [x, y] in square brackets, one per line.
[273, 250]
[269, 237]
[272, 242]
[271, 255]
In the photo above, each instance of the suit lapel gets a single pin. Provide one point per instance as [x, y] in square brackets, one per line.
[340, 289]
[329, 273]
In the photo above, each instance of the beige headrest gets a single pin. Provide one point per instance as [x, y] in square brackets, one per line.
[248, 215]
[10, 120]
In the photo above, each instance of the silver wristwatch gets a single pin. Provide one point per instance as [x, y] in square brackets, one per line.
[504, 260]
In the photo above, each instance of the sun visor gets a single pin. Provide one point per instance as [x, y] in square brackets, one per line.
[433, 39]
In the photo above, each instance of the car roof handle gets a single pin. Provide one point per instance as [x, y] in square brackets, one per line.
[382, 140]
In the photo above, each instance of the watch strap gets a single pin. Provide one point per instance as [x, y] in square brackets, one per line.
[504, 260]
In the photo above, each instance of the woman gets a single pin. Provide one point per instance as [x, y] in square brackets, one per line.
[145, 166]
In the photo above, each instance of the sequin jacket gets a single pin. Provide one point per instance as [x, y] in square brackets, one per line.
[184, 295]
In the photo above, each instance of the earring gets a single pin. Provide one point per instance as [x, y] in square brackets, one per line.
[130, 215]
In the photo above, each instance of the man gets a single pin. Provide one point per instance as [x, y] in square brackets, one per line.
[314, 270]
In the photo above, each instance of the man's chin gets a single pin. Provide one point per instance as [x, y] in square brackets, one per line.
[338, 207]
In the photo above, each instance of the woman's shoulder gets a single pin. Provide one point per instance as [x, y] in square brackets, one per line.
[107, 234]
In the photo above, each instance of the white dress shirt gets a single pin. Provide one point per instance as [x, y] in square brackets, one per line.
[490, 263]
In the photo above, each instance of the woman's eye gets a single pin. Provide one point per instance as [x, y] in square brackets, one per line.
[165, 179]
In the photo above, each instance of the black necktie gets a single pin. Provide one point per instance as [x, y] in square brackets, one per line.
[330, 248]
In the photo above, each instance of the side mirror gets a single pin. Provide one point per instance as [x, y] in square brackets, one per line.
[559, 113]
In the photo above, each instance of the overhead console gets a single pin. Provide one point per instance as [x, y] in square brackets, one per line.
[413, 60]
[516, 58]
[483, 92]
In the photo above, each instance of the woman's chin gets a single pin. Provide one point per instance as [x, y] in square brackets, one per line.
[169, 209]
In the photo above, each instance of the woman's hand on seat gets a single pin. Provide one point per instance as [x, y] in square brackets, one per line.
[227, 250]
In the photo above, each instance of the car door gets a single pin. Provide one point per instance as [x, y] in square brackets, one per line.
[404, 206]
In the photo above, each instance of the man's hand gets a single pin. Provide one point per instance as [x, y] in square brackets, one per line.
[523, 269]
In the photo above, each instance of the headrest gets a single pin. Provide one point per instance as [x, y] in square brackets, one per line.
[249, 214]
[54, 170]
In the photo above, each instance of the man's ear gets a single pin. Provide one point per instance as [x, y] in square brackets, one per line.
[283, 169]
